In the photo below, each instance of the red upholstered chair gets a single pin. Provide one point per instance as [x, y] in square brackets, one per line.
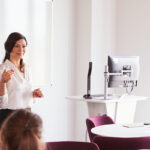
[71, 145]
[113, 143]
[97, 121]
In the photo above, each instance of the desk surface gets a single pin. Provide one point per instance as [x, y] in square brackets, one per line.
[113, 100]
[118, 130]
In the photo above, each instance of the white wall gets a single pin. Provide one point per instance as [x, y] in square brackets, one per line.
[2, 27]
[83, 46]
[115, 27]
[133, 38]
[133, 35]
[95, 40]
[90, 30]
[83, 31]
[56, 111]
[103, 39]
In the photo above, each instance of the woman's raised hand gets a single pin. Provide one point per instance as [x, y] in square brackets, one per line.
[6, 75]
[37, 93]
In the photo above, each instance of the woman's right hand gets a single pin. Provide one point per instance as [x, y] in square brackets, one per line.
[6, 75]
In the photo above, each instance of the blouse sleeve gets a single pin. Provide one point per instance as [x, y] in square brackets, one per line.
[4, 98]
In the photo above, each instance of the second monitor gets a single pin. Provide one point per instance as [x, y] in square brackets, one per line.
[129, 68]
[122, 71]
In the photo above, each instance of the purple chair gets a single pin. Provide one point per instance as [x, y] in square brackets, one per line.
[71, 145]
[97, 121]
[113, 143]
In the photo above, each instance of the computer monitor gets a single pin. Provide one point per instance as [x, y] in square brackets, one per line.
[123, 71]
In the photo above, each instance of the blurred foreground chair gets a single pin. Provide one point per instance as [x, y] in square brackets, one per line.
[97, 121]
[71, 145]
[111, 143]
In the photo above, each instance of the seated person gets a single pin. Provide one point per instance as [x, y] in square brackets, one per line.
[21, 131]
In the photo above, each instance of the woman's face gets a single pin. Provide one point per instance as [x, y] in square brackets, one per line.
[19, 49]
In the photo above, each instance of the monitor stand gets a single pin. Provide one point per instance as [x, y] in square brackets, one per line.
[99, 96]
[88, 95]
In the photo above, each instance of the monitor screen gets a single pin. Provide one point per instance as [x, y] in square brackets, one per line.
[128, 66]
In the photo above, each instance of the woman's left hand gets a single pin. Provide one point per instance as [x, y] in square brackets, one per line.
[37, 93]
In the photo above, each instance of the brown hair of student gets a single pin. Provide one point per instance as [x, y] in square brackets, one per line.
[22, 131]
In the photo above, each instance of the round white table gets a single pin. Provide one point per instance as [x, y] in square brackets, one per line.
[118, 130]
[116, 107]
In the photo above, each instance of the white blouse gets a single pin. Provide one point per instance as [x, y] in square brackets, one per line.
[18, 89]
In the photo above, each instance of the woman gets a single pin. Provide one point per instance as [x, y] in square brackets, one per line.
[15, 85]
[21, 131]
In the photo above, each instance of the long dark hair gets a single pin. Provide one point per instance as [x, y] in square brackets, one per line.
[22, 130]
[10, 43]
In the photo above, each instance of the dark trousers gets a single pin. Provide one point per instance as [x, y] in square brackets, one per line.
[4, 113]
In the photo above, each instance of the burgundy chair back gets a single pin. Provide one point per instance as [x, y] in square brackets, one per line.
[97, 121]
[71, 145]
[111, 143]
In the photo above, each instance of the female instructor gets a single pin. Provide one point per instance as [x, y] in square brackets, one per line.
[15, 85]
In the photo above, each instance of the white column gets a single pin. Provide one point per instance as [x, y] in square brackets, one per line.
[103, 39]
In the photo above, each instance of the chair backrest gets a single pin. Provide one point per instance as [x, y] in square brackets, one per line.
[97, 121]
[71, 145]
[107, 143]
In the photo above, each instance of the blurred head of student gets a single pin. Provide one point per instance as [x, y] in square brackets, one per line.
[22, 130]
